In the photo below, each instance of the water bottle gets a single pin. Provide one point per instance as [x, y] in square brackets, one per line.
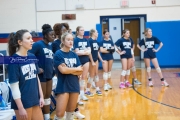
[3, 104]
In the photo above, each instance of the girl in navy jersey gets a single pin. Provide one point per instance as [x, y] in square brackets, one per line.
[83, 50]
[150, 55]
[59, 29]
[107, 49]
[25, 86]
[94, 64]
[68, 68]
[126, 45]
[43, 51]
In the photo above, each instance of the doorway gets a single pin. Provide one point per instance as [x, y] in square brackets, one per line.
[115, 25]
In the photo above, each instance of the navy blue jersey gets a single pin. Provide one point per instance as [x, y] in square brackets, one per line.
[44, 54]
[26, 74]
[67, 83]
[94, 49]
[107, 45]
[149, 43]
[56, 45]
[82, 44]
[125, 45]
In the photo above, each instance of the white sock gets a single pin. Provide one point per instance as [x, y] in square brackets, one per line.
[46, 116]
[97, 89]
[58, 118]
[69, 115]
[81, 92]
[135, 79]
[87, 89]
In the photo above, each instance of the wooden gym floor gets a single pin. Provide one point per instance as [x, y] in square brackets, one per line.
[138, 103]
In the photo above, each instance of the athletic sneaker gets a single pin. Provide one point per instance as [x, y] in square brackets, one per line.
[127, 84]
[88, 93]
[80, 103]
[150, 84]
[99, 92]
[106, 88]
[83, 97]
[78, 115]
[122, 85]
[164, 83]
[137, 82]
[93, 85]
[109, 86]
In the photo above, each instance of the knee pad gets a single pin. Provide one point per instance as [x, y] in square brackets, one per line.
[128, 72]
[133, 69]
[109, 74]
[47, 101]
[123, 73]
[158, 70]
[148, 69]
[82, 83]
[90, 80]
[96, 79]
[105, 76]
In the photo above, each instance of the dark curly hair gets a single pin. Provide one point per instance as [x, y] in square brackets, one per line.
[57, 28]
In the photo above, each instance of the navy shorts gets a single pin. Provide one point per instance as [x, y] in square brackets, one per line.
[84, 62]
[149, 54]
[42, 79]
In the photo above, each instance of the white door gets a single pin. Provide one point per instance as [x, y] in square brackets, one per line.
[115, 32]
[142, 29]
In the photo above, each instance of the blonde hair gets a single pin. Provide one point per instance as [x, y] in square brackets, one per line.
[63, 37]
[91, 32]
[145, 33]
[77, 30]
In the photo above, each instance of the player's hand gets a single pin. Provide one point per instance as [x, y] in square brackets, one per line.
[80, 68]
[122, 52]
[154, 50]
[41, 70]
[41, 102]
[23, 114]
[103, 61]
[93, 63]
[145, 50]
[63, 65]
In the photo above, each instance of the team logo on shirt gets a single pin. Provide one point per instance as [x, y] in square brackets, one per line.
[149, 44]
[95, 46]
[70, 62]
[29, 69]
[82, 45]
[48, 53]
[106, 45]
[127, 45]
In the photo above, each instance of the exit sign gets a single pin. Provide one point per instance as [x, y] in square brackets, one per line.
[124, 3]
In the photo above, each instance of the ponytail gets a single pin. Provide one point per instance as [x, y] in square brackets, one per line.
[13, 38]
[61, 45]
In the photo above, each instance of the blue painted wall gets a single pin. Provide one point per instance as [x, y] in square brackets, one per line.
[168, 32]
